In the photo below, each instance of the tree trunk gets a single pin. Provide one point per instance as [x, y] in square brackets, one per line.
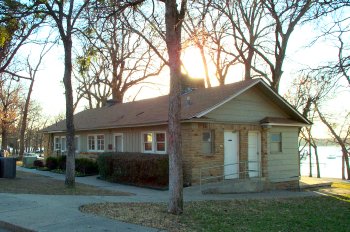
[3, 137]
[343, 167]
[24, 120]
[173, 22]
[317, 162]
[346, 159]
[248, 64]
[310, 160]
[67, 80]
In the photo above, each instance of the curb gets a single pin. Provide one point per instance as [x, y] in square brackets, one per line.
[13, 227]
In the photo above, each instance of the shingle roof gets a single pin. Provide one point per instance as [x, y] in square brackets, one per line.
[154, 111]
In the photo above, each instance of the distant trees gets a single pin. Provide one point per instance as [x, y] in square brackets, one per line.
[9, 108]
[115, 59]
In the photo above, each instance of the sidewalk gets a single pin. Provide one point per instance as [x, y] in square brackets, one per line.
[61, 212]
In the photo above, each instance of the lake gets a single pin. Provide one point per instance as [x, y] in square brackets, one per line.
[330, 162]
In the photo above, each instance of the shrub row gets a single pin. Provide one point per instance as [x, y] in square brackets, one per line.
[82, 165]
[135, 168]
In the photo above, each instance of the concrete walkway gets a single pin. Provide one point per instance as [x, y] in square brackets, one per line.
[61, 212]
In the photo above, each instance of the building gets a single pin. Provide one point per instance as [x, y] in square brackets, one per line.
[237, 131]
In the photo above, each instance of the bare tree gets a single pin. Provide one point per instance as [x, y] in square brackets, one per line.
[32, 71]
[341, 138]
[174, 18]
[116, 59]
[64, 15]
[9, 107]
[338, 32]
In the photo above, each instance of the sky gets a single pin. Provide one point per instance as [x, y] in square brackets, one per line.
[49, 90]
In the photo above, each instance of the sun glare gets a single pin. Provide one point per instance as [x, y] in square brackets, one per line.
[192, 60]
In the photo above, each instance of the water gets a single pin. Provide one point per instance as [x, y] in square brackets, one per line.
[330, 158]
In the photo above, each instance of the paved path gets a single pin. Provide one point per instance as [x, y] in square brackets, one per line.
[61, 213]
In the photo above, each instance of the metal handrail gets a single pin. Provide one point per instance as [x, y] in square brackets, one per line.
[239, 173]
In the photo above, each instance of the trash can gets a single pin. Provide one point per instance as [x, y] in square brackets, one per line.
[7, 167]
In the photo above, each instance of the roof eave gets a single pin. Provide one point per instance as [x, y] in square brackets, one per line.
[269, 124]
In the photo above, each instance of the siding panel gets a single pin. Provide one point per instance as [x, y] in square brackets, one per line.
[284, 166]
[251, 106]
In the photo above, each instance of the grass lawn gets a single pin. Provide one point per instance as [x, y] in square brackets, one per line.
[29, 183]
[323, 213]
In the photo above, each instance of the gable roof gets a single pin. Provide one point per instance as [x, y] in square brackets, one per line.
[154, 111]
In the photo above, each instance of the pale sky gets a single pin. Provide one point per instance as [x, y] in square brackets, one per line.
[49, 89]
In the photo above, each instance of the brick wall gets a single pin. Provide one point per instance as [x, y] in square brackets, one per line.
[194, 159]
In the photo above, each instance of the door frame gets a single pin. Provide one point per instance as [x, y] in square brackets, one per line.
[258, 137]
[235, 167]
[114, 145]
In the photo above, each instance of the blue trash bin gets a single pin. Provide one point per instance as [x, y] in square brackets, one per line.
[7, 167]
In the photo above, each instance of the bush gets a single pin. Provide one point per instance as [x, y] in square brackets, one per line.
[38, 163]
[51, 163]
[86, 166]
[135, 168]
[61, 162]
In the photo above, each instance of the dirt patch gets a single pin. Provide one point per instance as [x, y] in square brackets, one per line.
[29, 183]
[146, 214]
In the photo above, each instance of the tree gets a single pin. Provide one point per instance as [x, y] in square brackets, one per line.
[338, 31]
[17, 23]
[306, 91]
[248, 31]
[9, 106]
[65, 15]
[174, 18]
[115, 59]
[32, 71]
[341, 137]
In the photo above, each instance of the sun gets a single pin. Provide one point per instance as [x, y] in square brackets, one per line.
[192, 61]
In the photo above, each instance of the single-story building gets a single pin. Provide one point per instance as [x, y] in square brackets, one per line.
[240, 130]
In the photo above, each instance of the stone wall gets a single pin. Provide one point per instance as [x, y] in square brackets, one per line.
[195, 160]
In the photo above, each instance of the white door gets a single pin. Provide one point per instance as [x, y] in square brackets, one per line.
[254, 153]
[231, 155]
[118, 143]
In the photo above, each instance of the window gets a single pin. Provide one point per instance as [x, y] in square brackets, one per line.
[96, 142]
[57, 145]
[100, 142]
[207, 142]
[60, 143]
[160, 142]
[148, 142]
[154, 142]
[63, 144]
[91, 143]
[76, 143]
[276, 142]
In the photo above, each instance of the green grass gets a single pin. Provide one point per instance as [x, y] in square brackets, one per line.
[298, 214]
[302, 214]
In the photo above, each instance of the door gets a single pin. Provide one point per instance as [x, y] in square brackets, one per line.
[231, 155]
[118, 142]
[254, 157]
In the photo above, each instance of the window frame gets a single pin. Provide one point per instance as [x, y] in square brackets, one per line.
[55, 148]
[77, 145]
[95, 143]
[63, 148]
[154, 142]
[279, 143]
[211, 142]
